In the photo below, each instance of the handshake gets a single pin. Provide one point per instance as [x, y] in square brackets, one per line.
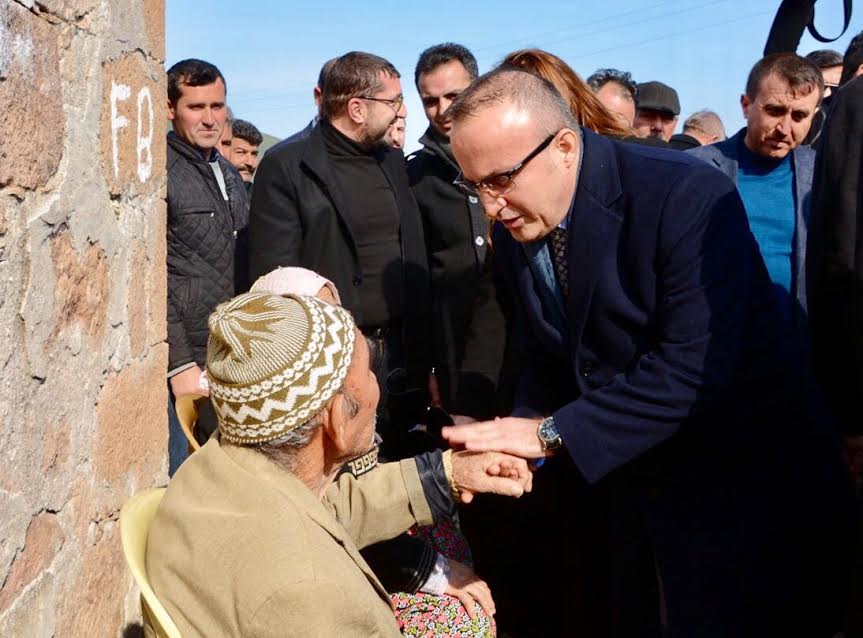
[493, 456]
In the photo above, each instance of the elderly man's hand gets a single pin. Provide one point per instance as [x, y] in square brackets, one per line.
[491, 472]
[512, 435]
[469, 588]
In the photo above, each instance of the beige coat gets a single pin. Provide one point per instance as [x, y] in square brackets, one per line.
[240, 547]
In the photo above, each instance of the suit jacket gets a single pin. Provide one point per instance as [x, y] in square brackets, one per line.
[723, 155]
[836, 259]
[240, 547]
[468, 326]
[673, 378]
[297, 219]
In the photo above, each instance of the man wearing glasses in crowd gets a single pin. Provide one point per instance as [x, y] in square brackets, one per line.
[338, 202]
[660, 386]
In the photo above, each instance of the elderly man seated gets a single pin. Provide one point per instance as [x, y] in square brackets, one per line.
[255, 536]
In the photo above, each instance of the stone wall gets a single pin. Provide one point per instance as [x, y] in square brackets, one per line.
[82, 294]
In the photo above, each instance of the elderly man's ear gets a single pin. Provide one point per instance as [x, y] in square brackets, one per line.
[336, 426]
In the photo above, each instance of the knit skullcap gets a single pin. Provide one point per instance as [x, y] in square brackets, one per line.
[274, 362]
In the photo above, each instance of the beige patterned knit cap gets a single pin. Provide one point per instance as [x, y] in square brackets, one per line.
[274, 362]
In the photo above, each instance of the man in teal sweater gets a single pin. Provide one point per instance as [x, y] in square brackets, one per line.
[773, 172]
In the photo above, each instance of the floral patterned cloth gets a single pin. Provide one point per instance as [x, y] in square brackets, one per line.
[444, 616]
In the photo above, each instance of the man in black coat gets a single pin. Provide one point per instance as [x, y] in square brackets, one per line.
[338, 202]
[207, 219]
[835, 264]
[469, 330]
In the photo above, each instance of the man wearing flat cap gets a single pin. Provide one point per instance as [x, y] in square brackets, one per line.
[658, 108]
[255, 536]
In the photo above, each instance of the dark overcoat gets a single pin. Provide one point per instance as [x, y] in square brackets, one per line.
[675, 390]
[298, 218]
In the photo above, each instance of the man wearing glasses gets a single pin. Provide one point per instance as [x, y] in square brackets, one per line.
[660, 385]
[338, 202]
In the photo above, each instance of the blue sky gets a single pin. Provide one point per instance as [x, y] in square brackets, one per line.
[270, 52]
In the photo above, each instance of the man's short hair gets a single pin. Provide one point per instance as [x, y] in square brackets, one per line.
[526, 90]
[352, 75]
[434, 56]
[704, 121]
[603, 76]
[853, 58]
[191, 72]
[322, 75]
[248, 132]
[799, 72]
[825, 58]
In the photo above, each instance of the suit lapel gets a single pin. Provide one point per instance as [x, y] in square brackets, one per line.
[315, 161]
[593, 228]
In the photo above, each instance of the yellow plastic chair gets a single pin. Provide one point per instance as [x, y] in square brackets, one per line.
[187, 414]
[135, 518]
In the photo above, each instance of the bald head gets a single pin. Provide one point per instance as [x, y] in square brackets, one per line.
[705, 126]
[530, 94]
[518, 146]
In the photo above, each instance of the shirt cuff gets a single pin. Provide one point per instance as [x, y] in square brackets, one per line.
[438, 580]
[179, 369]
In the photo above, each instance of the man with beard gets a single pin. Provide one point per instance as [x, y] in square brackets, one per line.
[338, 202]
[468, 322]
[773, 171]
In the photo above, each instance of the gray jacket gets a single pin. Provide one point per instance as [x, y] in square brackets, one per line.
[723, 155]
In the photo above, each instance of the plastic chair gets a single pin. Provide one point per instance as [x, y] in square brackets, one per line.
[187, 414]
[135, 518]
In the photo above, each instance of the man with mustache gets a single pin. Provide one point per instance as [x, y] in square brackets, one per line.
[245, 150]
[773, 170]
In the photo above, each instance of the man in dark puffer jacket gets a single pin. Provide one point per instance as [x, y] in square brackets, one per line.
[207, 219]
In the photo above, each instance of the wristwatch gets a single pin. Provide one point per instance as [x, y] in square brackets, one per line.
[548, 434]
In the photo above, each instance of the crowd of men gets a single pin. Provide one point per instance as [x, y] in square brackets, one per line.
[643, 317]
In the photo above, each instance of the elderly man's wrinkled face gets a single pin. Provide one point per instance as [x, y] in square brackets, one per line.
[777, 118]
[498, 138]
[362, 385]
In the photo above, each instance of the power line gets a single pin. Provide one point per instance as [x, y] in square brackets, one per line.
[533, 37]
[631, 23]
[675, 34]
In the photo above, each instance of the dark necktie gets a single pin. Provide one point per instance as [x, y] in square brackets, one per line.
[557, 246]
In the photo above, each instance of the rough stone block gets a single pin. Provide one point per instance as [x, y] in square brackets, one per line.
[31, 99]
[134, 110]
[81, 289]
[43, 540]
[130, 442]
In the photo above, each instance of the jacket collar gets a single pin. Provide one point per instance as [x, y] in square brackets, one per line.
[435, 144]
[192, 153]
[593, 224]
[263, 469]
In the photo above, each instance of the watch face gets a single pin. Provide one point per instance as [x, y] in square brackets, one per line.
[547, 430]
